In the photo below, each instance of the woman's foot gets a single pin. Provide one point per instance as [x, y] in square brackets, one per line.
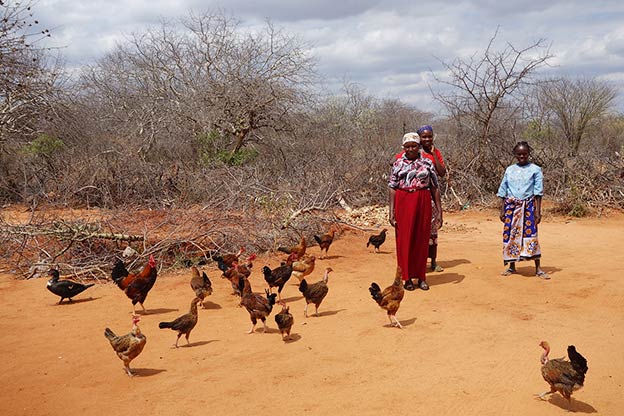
[542, 274]
[409, 285]
[423, 285]
[508, 272]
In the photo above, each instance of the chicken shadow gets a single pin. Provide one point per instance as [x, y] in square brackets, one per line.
[198, 343]
[326, 313]
[292, 298]
[146, 372]
[404, 322]
[577, 405]
[379, 252]
[293, 338]
[211, 305]
[444, 278]
[332, 257]
[156, 311]
[75, 301]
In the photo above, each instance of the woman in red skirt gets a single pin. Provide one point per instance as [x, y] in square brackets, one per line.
[413, 185]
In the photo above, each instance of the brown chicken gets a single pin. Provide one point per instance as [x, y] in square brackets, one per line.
[136, 286]
[563, 376]
[303, 267]
[280, 275]
[128, 346]
[391, 297]
[299, 249]
[258, 306]
[325, 240]
[233, 275]
[315, 292]
[245, 268]
[377, 240]
[201, 285]
[284, 321]
[183, 324]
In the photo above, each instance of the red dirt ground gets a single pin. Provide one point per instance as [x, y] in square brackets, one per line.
[469, 345]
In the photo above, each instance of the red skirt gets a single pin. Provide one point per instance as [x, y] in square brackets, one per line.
[412, 212]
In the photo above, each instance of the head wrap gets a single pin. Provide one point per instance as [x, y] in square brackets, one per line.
[424, 129]
[411, 137]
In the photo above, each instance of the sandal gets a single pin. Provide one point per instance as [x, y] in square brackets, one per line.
[438, 268]
[508, 272]
[409, 285]
[542, 275]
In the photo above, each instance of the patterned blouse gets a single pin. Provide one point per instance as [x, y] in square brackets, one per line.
[411, 175]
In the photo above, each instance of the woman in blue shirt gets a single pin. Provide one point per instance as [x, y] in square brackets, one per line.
[521, 193]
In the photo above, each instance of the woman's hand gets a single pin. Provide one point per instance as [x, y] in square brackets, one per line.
[538, 217]
[392, 220]
[502, 216]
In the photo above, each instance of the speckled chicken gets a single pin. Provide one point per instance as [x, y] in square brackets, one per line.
[315, 292]
[562, 375]
[66, 289]
[391, 297]
[284, 321]
[183, 324]
[128, 346]
[201, 284]
[303, 267]
[258, 306]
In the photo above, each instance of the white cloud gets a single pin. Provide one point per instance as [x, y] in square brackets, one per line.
[388, 46]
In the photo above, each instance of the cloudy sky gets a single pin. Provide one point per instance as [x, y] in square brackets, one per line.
[388, 47]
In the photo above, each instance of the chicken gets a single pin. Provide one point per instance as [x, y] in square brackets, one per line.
[315, 292]
[201, 285]
[225, 262]
[136, 286]
[303, 267]
[391, 297]
[325, 240]
[233, 275]
[245, 269]
[258, 306]
[64, 288]
[128, 346]
[183, 324]
[299, 249]
[284, 321]
[377, 240]
[563, 376]
[280, 275]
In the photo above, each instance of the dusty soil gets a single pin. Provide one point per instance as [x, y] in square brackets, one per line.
[469, 345]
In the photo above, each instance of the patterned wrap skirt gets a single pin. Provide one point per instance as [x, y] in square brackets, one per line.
[520, 231]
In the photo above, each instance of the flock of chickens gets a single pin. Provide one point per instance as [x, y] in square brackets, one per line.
[563, 376]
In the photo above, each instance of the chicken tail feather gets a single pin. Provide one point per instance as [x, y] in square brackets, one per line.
[375, 292]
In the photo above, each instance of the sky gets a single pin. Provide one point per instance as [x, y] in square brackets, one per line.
[389, 48]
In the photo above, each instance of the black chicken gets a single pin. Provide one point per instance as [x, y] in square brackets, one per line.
[280, 275]
[563, 376]
[377, 240]
[64, 288]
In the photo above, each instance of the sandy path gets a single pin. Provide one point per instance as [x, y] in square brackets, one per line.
[469, 345]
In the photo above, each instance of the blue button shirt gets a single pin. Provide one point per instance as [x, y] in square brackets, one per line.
[522, 182]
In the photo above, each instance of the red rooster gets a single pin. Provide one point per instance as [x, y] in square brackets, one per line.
[562, 375]
[136, 286]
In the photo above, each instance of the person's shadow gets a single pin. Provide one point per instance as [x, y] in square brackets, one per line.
[443, 278]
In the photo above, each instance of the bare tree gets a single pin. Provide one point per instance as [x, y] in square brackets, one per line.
[210, 78]
[27, 76]
[573, 105]
[483, 88]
